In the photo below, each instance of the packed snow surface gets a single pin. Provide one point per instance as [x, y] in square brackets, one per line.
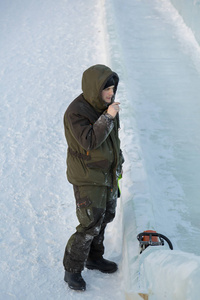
[44, 48]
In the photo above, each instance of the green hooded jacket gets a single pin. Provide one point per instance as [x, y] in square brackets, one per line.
[94, 156]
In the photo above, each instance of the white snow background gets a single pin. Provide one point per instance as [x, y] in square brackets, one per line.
[44, 48]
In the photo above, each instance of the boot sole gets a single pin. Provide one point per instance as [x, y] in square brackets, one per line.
[77, 289]
[102, 271]
[82, 289]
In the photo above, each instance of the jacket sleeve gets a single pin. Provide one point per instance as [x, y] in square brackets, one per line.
[89, 136]
[121, 161]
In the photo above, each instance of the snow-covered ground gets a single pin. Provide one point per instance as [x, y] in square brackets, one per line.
[45, 47]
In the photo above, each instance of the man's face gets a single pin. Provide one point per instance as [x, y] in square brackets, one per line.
[108, 93]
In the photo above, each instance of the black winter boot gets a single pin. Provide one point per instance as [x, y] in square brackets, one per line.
[101, 264]
[75, 281]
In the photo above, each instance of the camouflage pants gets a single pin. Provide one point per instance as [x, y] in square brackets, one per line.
[95, 207]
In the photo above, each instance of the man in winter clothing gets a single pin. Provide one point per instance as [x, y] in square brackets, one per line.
[94, 163]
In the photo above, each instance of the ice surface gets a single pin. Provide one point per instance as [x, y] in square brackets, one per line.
[162, 72]
[45, 47]
[160, 121]
[190, 11]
